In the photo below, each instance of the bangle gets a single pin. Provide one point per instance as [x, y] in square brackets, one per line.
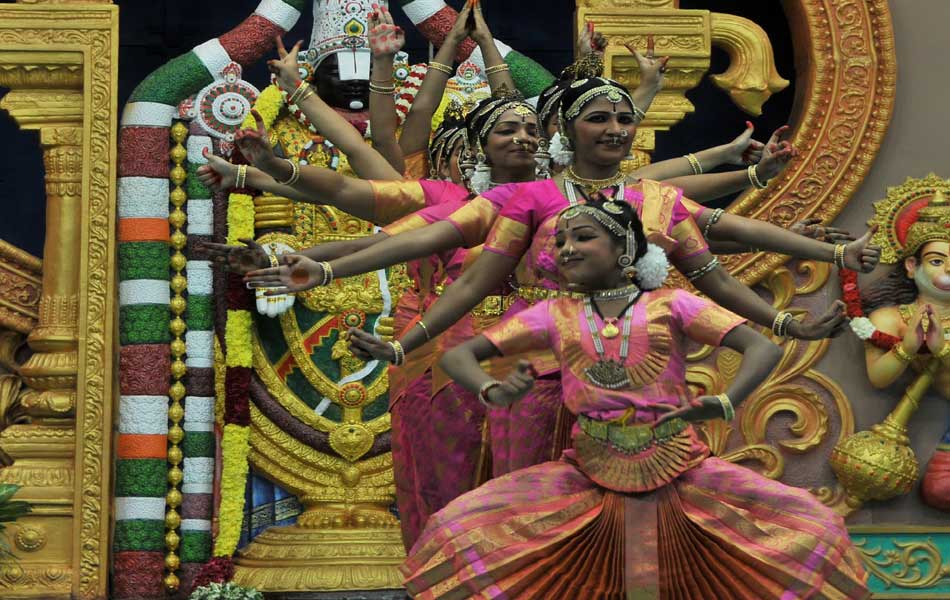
[294, 174]
[638, 114]
[754, 178]
[839, 255]
[296, 95]
[703, 270]
[694, 163]
[425, 329]
[304, 96]
[903, 355]
[496, 69]
[443, 68]
[483, 391]
[327, 273]
[241, 177]
[274, 262]
[383, 90]
[728, 411]
[713, 219]
[781, 322]
[399, 354]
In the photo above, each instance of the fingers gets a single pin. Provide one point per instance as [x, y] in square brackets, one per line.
[281, 51]
[251, 244]
[527, 368]
[810, 221]
[777, 134]
[264, 273]
[259, 121]
[279, 291]
[651, 46]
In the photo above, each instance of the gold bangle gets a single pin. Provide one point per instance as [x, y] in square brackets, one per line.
[294, 174]
[295, 97]
[443, 68]
[241, 178]
[327, 273]
[497, 69]
[399, 354]
[425, 329]
[902, 354]
[839, 255]
[781, 322]
[694, 164]
[728, 411]
[484, 389]
[754, 178]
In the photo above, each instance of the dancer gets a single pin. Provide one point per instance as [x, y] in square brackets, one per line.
[638, 506]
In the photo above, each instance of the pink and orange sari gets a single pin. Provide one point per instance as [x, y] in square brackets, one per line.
[624, 516]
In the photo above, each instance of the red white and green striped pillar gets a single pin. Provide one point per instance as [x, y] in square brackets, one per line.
[144, 258]
[434, 19]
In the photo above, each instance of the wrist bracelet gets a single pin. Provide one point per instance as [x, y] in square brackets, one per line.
[638, 114]
[839, 255]
[728, 411]
[294, 174]
[781, 322]
[327, 273]
[295, 96]
[754, 178]
[694, 163]
[713, 219]
[902, 354]
[442, 68]
[399, 354]
[425, 329]
[483, 391]
[497, 69]
[241, 178]
[703, 270]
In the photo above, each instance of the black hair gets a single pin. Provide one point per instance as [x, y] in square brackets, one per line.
[572, 93]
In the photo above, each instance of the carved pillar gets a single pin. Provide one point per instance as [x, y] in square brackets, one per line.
[52, 369]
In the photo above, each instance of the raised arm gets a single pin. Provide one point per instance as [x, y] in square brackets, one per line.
[418, 125]
[496, 69]
[740, 151]
[366, 162]
[385, 40]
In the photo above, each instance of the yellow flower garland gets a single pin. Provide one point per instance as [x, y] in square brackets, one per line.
[234, 451]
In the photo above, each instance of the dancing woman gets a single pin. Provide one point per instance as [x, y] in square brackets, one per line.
[638, 506]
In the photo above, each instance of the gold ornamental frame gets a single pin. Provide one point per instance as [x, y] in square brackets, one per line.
[61, 62]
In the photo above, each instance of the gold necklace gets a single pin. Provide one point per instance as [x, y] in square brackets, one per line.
[594, 185]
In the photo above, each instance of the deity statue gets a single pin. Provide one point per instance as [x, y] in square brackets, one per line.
[907, 327]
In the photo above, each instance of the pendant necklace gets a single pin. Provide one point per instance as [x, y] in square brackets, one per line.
[606, 372]
[610, 329]
[570, 190]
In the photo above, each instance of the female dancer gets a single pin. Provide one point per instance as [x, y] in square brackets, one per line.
[638, 507]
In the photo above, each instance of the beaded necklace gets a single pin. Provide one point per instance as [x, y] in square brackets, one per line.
[607, 372]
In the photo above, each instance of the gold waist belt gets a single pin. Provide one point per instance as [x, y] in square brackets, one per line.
[536, 294]
[491, 306]
[630, 438]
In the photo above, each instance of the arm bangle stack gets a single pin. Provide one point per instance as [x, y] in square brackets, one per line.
[839, 255]
[754, 178]
[638, 114]
[241, 177]
[728, 411]
[694, 163]
[703, 271]
[496, 69]
[298, 93]
[425, 329]
[327, 273]
[399, 354]
[383, 89]
[442, 68]
[781, 322]
[483, 391]
[902, 355]
[713, 219]
[294, 174]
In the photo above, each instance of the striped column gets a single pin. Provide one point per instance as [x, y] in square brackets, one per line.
[145, 365]
[434, 19]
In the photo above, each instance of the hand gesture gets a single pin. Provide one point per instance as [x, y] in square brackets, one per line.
[459, 29]
[776, 155]
[830, 324]
[218, 174]
[651, 68]
[859, 256]
[237, 259]
[385, 37]
[480, 34]
[744, 150]
[934, 338]
[255, 144]
[698, 409]
[296, 273]
[366, 346]
[590, 41]
[914, 334]
[515, 386]
[812, 228]
[286, 69]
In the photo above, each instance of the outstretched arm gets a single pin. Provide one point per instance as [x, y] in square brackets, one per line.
[418, 125]
[742, 150]
[366, 162]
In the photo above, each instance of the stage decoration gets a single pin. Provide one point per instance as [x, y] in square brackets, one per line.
[226, 591]
[905, 564]
[880, 464]
[207, 74]
[467, 87]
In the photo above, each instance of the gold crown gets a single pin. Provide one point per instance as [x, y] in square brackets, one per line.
[932, 224]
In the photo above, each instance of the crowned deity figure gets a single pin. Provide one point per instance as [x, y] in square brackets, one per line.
[907, 327]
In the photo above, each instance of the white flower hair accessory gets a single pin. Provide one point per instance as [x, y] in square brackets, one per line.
[652, 268]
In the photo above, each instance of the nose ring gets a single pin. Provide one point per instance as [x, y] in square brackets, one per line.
[624, 133]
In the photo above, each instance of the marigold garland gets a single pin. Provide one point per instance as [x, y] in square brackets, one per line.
[861, 325]
[237, 338]
[234, 451]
